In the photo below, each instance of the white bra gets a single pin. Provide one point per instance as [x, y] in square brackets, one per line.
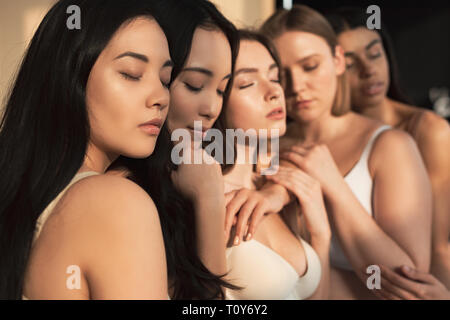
[265, 275]
[360, 182]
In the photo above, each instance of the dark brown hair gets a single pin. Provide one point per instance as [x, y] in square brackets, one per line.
[350, 18]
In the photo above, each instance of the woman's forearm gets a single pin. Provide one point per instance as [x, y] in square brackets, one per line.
[322, 248]
[210, 221]
[362, 239]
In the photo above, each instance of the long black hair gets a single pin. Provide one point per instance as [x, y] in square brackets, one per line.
[45, 131]
[348, 18]
[185, 17]
[189, 277]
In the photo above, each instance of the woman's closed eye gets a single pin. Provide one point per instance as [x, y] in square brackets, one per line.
[276, 80]
[374, 55]
[310, 67]
[131, 77]
[193, 88]
[245, 85]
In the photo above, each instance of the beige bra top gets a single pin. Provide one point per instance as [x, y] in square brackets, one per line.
[48, 210]
[265, 275]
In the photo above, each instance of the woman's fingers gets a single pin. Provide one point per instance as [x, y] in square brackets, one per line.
[395, 290]
[417, 275]
[293, 157]
[229, 196]
[232, 209]
[242, 220]
[295, 181]
[399, 283]
[258, 214]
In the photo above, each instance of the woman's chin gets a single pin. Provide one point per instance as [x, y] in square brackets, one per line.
[140, 154]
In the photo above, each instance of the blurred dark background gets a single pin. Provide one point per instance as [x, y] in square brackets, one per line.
[420, 31]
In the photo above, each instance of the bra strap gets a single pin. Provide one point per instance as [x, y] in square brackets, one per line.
[368, 147]
[48, 210]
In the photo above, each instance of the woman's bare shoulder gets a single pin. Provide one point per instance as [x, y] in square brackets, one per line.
[432, 127]
[100, 202]
[393, 144]
[359, 121]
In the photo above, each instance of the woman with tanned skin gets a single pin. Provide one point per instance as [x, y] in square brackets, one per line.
[372, 177]
[373, 80]
[274, 262]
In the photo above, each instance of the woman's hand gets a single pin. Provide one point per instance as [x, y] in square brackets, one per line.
[200, 182]
[309, 195]
[410, 285]
[318, 163]
[246, 208]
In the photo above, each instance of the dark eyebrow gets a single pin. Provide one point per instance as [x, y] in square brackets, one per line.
[133, 55]
[201, 70]
[307, 57]
[207, 72]
[370, 45]
[245, 70]
[252, 70]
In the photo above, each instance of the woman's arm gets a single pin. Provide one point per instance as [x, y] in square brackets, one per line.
[207, 196]
[116, 232]
[400, 232]
[433, 140]
[210, 219]
[410, 284]
[310, 199]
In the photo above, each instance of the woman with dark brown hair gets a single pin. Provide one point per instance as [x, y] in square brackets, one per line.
[373, 80]
[372, 177]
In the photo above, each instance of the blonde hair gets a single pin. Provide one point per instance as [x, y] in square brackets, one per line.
[303, 18]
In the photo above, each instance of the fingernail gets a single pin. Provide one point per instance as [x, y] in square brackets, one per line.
[407, 269]
[236, 240]
[249, 236]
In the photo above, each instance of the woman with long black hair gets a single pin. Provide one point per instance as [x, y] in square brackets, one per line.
[82, 101]
[203, 45]
[74, 109]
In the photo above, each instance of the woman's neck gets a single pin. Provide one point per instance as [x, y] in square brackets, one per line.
[320, 130]
[242, 172]
[96, 159]
[386, 112]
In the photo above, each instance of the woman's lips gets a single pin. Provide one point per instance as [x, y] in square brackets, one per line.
[276, 114]
[303, 104]
[152, 127]
[202, 131]
[373, 89]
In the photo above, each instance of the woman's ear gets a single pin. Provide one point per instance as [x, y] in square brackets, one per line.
[339, 60]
